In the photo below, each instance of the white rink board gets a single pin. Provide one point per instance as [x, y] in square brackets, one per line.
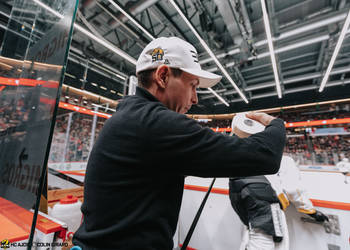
[313, 236]
[219, 228]
[326, 186]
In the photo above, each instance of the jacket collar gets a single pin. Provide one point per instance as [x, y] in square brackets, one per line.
[141, 92]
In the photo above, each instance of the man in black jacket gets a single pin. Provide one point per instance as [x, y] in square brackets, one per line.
[135, 174]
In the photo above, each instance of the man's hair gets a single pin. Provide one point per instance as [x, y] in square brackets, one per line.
[145, 77]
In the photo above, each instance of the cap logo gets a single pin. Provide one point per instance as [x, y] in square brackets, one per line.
[157, 54]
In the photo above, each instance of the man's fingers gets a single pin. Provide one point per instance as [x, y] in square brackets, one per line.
[263, 118]
[254, 116]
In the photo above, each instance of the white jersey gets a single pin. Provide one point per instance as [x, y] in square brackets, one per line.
[344, 166]
[288, 186]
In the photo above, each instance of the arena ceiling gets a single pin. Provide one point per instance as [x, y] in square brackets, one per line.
[304, 36]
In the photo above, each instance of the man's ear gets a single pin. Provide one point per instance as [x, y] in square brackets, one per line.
[161, 76]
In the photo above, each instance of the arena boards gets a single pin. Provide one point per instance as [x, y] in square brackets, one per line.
[219, 228]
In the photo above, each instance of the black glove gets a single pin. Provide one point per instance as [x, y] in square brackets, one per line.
[277, 239]
[319, 216]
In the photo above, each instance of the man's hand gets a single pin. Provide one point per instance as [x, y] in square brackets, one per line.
[260, 117]
[319, 216]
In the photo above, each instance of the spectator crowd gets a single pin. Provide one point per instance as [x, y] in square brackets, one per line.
[75, 146]
[301, 143]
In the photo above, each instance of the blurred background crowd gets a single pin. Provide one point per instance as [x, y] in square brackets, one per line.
[74, 131]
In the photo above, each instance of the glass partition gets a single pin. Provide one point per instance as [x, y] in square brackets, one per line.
[73, 137]
[32, 64]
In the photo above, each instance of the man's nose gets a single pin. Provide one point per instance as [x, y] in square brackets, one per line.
[194, 97]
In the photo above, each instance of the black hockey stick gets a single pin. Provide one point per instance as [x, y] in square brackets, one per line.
[196, 218]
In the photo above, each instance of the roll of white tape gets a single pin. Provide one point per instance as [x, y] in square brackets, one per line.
[246, 125]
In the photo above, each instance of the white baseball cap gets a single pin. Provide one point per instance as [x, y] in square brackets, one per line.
[176, 53]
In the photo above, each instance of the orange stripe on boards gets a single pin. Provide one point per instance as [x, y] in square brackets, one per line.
[205, 189]
[300, 124]
[331, 204]
[72, 173]
[26, 82]
[188, 248]
[317, 122]
[52, 201]
[82, 110]
[317, 203]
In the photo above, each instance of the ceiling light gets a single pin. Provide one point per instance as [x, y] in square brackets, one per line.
[69, 75]
[272, 52]
[94, 84]
[113, 91]
[219, 97]
[280, 50]
[103, 87]
[299, 30]
[208, 51]
[131, 18]
[109, 71]
[102, 42]
[231, 52]
[48, 9]
[106, 44]
[336, 51]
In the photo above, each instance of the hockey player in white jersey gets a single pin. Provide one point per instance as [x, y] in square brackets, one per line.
[344, 168]
[260, 201]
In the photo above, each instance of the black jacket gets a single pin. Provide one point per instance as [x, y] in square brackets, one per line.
[251, 198]
[135, 174]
